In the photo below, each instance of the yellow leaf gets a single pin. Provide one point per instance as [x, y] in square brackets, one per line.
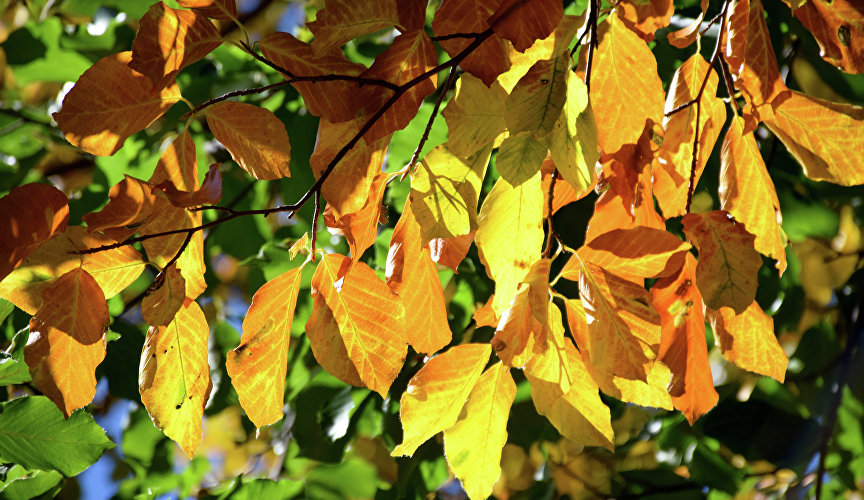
[552, 363]
[343, 20]
[113, 270]
[473, 445]
[510, 235]
[110, 102]
[414, 277]
[436, 394]
[67, 340]
[444, 192]
[217, 9]
[625, 85]
[360, 228]
[748, 340]
[520, 158]
[370, 318]
[573, 143]
[164, 298]
[522, 329]
[747, 192]
[29, 215]
[257, 366]
[256, 139]
[728, 264]
[545, 48]
[826, 138]
[474, 115]
[174, 378]
[490, 59]
[168, 40]
[537, 99]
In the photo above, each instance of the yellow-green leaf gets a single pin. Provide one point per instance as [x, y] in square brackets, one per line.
[573, 142]
[520, 157]
[474, 115]
[536, 101]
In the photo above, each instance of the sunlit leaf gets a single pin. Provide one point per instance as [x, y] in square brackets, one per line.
[573, 142]
[343, 20]
[759, 78]
[256, 139]
[174, 378]
[436, 394]
[360, 228]
[130, 204]
[327, 344]
[520, 157]
[209, 193]
[474, 115]
[523, 328]
[164, 297]
[838, 26]
[450, 252]
[645, 16]
[687, 35]
[748, 340]
[728, 264]
[535, 102]
[737, 22]
[29, 215]
[216, 9]
[110, 102]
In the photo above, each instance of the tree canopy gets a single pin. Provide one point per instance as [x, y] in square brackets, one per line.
[399, 248]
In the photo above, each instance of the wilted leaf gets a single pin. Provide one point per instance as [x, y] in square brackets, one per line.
[436, 394]
[573, 142]
[460, 16]
[370, 318]
[343, 20]
[110, 102]
[164, 297]
[520, 157]
[728, 264]
[256, 139]
[748, 340]
[29, 215]
[174, 378]
[412, 274]
[209, 193]
[535, 102]
[524, 22]
[838, 26]
[645, 16]
[216, 9]
[473, 445]
[474, 115]
[168, 40]
[257, 366]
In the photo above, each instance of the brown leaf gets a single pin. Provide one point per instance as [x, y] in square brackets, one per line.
[110, 102]
[524, 22]
[256, 139]
[838, 26]
[645, 16]
[343, 20]
[490, 59]
[216, 9]
[209, 194]
[29, 215]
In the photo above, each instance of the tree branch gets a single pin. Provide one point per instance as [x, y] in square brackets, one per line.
[447, 84]
[592, 41]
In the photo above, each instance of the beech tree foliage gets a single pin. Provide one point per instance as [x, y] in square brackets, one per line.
[544, 248]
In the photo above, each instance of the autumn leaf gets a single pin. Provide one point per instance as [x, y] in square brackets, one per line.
[131, 202]
[474, 115]
[256, 139]
[331, 100]
[473, 445]
[168, 40]
[838, 27]
[747, 192]
[450, 252]
[209, 193]
[113, 269]
[728, 264]
[445, 190]
[737, 26]
[257, 366]
[685, 36]
[759, 78]
[29, 215]
[414, 277]
[510, 235]
[436, 394]
[522, 329]
[67, 340]
[490, 59]
[573, 143]
[174, 378]
[625, 85]
[216, 9]
[552, 362]
[520, 157]
[826, 138]
[682, 341]
[360, 228]
[370, 318]
[524, 22]
[110, 102]
[623, 329]
[748, 340]
[536, 101]
[164, 297]
[343, 20]
[327, 345]
[645, 16]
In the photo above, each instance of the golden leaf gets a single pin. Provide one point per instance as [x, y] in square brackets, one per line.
[254, 136]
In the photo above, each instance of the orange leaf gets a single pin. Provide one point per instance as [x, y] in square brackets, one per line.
[257, 366]
[174, 378]
[682, 341]
[759, 79]
[436, 394]
[645, 16]
[370, 318]
[490, 59]
[216, 9]
[209, 193]
[412, 274]
[450, 252]
[563, 194]
[164, 297]
[728, 263]
[409, 56]
[327, 344]
[838, 26]
[360, 228]
[675, 156]
[130, 204]
[178, 164]
[113, 270]
[526, 22]
[625, 88]
[110, 102]
[687, 35]
[748, 340]
[168, 40]
[343, 20]
[67, 340]
[412, 14]
[485, 315]
[639, 251]
[256, 139]
[623, 330]
[747, 192]
[826, 138]
[331, 100]
[522, 329]
[737, 25]
[29, 215]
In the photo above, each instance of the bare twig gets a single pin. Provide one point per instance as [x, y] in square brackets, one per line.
[593, 7]
[447, 84]
[236, 93]
[454, 35]
[315, 214]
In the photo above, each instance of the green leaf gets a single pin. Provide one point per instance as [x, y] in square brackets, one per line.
[520, 157]
[13, 369]
[573, 141]
[21, 484]
[34, 434]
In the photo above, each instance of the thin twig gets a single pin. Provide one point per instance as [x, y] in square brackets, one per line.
[550, 197]
[446, 87]
[315, 214]
[592, 41]
[454, 35]
[236, 93]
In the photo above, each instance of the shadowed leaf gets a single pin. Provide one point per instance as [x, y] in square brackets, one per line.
[29, 215]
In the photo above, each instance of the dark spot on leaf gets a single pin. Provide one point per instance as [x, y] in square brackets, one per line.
[544, 81]
[499, 346]
[165, 351]
[178, 406]
[240, 348]
[641, 300]
[843, 35]
[153, 355]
